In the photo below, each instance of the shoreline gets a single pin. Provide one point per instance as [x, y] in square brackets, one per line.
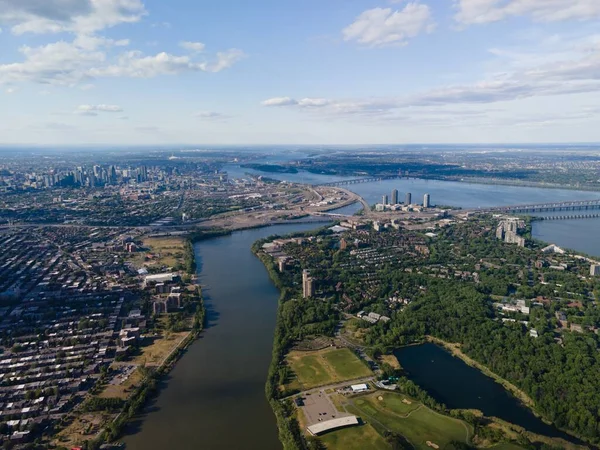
[476, 180]
[455, 350]
[148, 387]
[521, 396]
[290, 434]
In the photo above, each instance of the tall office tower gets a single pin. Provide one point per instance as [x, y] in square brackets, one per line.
[427, 201]
[408, 199]
[395, 197]
[79, 175]
[384, 200]
[595, 271]
[308, 284]
[112, 176]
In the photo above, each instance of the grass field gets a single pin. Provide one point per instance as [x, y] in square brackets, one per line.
[155, 353]
[416, 422]
[124, 389]
[506, 446]
[168, 252]
[355, 438]
[324, 367]
[398, 404]
[83, 428]
[391, 360]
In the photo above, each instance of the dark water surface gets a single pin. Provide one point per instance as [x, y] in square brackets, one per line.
[579, 234]
[215, 396]
[459, 386]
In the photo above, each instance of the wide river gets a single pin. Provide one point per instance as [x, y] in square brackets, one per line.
[214, 397]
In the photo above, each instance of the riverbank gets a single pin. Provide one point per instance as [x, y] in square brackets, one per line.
[290, 434]
[149, 386]
[532, 184]
[152, 375]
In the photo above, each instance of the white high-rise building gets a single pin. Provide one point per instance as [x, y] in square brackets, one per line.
[427, 201]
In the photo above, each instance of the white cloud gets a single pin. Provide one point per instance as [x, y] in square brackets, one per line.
[486, 11]
[313, 102]
[211, 115]
[225, 60]
[60, 63]
[135, 65]
[70, 63]
[11, 90]
[100, 108]
[280, 101]
[580, 74]
[91, 42]
[78, 16]
[192, 46]
[94, 110]
[383, 26]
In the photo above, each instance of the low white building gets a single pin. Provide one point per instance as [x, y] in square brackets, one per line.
[357, 388]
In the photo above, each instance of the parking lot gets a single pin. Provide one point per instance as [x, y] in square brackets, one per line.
[319, 408]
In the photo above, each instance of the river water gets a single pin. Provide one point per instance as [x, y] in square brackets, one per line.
[214, 398]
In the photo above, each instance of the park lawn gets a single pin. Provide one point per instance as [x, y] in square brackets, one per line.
[391, 360]
[420, 426]
[323, 367]
[83, 428]
[124, 390]
[346, 364]
[355, 438]
[161, 347]
[309, 370]
[168, 251]
[398, 403]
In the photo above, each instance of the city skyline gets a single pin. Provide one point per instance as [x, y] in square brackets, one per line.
[340, 72]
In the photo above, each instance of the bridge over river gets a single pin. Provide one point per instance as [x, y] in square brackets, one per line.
[570, 217]
[357, 181]
[582, 205]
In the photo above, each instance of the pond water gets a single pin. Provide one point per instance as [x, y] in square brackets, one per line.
[451, 381]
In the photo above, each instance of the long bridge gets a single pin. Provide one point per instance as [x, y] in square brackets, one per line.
[570, 217]
[358, 181]
[582, 205]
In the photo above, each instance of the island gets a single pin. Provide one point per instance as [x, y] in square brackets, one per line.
[517, 314]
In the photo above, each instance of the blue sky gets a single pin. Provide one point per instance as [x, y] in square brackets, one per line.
[299, 71]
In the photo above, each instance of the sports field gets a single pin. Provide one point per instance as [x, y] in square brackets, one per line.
[424, 428]
[355, 438]
[324, 367]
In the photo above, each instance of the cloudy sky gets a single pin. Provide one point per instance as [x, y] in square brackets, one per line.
[299, 71]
